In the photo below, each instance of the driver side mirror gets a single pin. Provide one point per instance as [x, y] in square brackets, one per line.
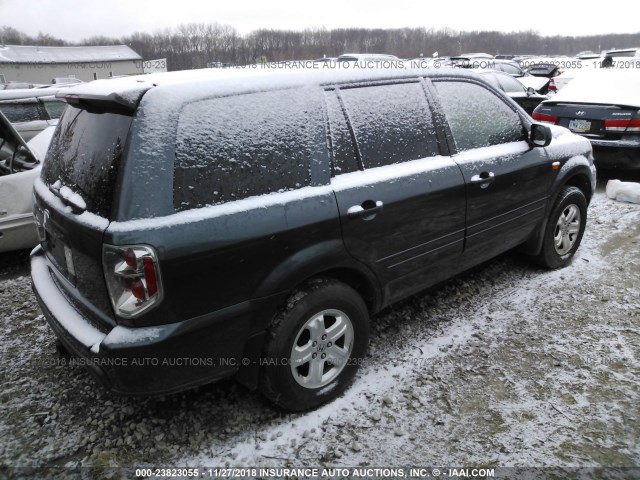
[540, 135]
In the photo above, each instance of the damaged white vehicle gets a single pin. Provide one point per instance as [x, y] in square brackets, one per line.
[20, 164]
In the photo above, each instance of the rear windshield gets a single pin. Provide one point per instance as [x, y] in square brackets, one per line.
[85, 155]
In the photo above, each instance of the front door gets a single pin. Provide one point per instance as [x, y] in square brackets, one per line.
[507, 181]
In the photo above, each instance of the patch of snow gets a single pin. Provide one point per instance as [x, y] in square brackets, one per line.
[225, 209]
[73, 197]
[131, 335]
[492, 152]
[385, 173]
[623, 191]
[602, 86]
[85, 218]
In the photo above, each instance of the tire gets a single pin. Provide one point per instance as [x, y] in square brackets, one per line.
[564, 229]
[323, 320]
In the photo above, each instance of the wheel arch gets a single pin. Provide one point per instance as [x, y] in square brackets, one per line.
[579, 175]
[326, 261]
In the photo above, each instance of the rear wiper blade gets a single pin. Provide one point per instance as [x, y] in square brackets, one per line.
[68, 197]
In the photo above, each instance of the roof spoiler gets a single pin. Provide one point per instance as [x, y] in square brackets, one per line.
[122, 101]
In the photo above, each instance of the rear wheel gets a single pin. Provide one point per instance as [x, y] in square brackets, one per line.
[565, 228]
[315, 345]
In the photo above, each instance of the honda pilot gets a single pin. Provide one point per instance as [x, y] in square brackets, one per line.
[200, 225]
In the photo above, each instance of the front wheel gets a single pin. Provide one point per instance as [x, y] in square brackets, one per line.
[565, 228]
[315, 346]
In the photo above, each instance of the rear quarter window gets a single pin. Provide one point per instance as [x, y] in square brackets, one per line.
[242, 146]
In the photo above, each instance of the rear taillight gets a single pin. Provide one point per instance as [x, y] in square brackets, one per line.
[133, 278]
[628, 125]
[544, 118]
[552, 85]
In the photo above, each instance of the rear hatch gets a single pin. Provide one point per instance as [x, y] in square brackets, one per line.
[607, 122]
[73, 202]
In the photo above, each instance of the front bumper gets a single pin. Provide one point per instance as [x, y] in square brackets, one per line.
[624, 155]
[147, 360]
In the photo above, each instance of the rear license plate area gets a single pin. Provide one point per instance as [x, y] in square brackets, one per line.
[586, 127]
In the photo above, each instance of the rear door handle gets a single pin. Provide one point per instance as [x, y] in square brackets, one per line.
[367, 209]
[483, 179]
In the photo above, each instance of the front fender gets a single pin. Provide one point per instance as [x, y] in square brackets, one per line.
[576, 168]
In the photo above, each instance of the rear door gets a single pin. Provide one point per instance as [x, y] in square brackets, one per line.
[401, 201]
[507, 181]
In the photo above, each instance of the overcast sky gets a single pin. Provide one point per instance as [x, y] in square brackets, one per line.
[77, 19]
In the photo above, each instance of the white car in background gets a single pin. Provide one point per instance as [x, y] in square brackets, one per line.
[602, 105]
[20, 164]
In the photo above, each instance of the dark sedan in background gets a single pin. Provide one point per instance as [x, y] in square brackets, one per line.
[603, 106]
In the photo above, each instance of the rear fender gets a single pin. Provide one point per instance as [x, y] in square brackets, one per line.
[321, 258]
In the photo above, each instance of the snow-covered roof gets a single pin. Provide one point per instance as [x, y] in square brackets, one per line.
[34, 54]
[199, 84]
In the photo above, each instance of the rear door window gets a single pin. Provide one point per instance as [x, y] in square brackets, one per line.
[477, 117]
[392, 123]
[241, 146]
[85, 154]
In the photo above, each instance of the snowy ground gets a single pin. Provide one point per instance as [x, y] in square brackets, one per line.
[506, 365]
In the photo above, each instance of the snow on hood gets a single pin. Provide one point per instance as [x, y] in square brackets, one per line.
[606, 87]
[567, 144]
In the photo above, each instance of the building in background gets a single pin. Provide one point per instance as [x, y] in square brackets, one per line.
[20, 63]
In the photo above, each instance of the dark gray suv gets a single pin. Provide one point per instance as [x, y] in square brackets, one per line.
[199, 225]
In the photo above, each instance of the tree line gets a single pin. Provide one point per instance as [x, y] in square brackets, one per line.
[194, 45]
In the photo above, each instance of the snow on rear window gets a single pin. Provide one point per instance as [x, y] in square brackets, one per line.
[246, 145]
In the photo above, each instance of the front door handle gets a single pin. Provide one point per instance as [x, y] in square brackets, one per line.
[483, 179]
[368, 209]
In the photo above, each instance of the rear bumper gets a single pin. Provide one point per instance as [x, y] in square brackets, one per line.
[624, 155]
[150, 360]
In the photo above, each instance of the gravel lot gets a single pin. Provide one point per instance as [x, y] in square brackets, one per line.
[506, 365]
